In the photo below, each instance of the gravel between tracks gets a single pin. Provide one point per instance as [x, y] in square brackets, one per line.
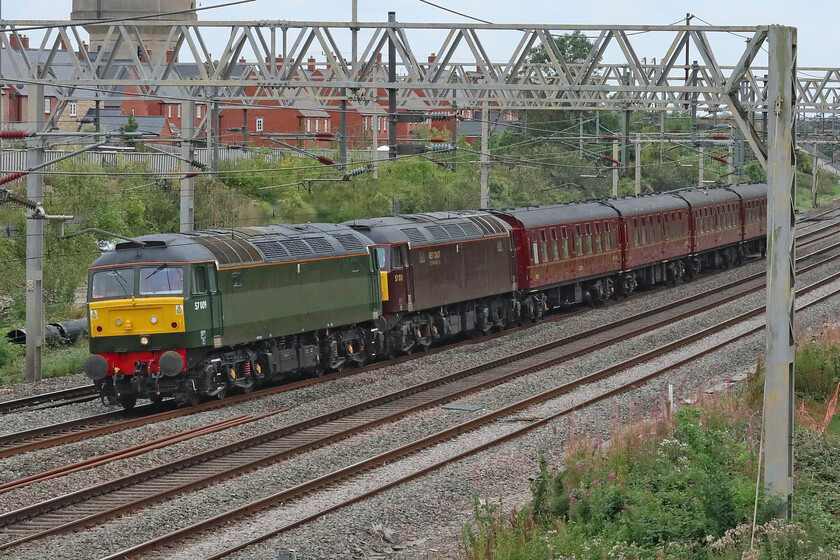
[426, 514]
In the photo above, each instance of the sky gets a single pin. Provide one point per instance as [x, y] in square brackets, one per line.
[816, 22]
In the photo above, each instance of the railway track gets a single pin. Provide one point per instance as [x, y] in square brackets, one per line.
[55, 398]
[288, 496]
[119, 496]
[816, 230]
[76, 430]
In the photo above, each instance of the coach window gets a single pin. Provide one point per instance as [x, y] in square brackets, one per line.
[578, 242]
[699, 221]
[635, 232]
[651, 226]
[607, 237]
[644, 231]
[535, 253]
[598, 247]
[554, 248]
[544, 246]
[565, 244]
[588, 239]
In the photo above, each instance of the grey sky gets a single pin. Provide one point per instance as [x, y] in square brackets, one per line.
[818, 45]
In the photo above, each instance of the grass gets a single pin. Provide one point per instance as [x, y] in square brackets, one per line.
[680, 486]
[57, 361]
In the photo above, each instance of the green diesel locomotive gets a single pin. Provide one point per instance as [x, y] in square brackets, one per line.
[192, 315]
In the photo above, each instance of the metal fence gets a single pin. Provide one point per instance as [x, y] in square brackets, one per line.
[12, 161]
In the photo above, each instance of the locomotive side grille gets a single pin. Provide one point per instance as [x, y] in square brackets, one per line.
[350, 243]
[320, 245]
[438, 233]
[414, 235]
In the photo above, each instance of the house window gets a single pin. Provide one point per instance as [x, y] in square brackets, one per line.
[169, 111]
[326, 125]
[179, 111]
[317, 125]
[46, 105]
[259, 124]
[198, 111]
[308, 125]
[71, 107]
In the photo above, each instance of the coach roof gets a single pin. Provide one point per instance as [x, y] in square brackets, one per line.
[539, 216]
[431, 228]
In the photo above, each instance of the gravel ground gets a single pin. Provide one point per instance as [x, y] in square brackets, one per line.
[417, 520]
[426, 515]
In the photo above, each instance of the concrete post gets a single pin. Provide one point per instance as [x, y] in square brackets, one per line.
[375, 128]
[485, 155]
[392, 93]
[580, 137]
[342, 130]
[34, 240]
[814, 174]
[638, 163]
[615, 168]
[778, 388]
[187, 153]
[701, 167]
[695, 69]
[730, 166]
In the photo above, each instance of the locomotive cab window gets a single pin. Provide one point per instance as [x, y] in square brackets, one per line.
[380, 257]
[199, 280]
[117, 282]
[397, 257]
[161, 280]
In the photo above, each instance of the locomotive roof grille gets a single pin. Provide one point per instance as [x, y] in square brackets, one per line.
[414, 235]
[320, 245]
[350, 243]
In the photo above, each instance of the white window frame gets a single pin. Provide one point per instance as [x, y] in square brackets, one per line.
[326, 125]
[71, 108]
[47, 106]
[317, 125]
[198, 111]
[169, 111]
[308, 125]
[179, 111]
[259, 124]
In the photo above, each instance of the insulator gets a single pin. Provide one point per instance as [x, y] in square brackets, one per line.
[720, 159]
[438, 116]
[609, 137]
[355, 172]
[324, 136]
[441, 148]
[12, 177]
[16, 134]
[325, 160]
[611, 160]
[190, 175]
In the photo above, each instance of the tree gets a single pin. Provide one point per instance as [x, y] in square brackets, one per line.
[574, 47]
[130, 126]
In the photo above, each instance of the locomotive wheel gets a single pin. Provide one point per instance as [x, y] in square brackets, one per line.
[127, 401]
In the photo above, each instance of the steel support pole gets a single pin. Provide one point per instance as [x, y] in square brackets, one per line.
[34, 239]
[392, 93]
[701, 167]
[580, 137]
[638, 163]
[615, 168]
[730, 165]
[661, 136]
[453, 123]
[695, 69]
[342, 131]
[217, 134]
[814, 173]
[375, 120]
[778, 388]
[245, 139]
[485, 156]
[187, 153]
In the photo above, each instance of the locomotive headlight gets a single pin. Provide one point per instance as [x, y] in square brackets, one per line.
[118, 321]
[144, 340]
[153, 320]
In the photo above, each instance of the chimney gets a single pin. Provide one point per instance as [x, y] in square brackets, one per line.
[242, 59]
[63, 46]
[432, 58]
[169, 54]
[23, 44]
[83, 48]
[311, 63]
[379, 57]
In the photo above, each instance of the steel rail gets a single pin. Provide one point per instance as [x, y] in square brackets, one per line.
[73, 394]
[324, 481]
[263, 449]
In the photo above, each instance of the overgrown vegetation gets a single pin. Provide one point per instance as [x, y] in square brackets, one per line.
[681, 486]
